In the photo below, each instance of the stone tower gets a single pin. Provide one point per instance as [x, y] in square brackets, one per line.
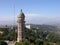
[21, 26]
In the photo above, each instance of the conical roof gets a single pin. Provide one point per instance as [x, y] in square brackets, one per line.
[21, 15]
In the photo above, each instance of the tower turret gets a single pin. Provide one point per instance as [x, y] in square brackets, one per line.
[21, 26]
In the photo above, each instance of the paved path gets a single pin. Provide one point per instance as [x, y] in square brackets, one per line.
[10, 42]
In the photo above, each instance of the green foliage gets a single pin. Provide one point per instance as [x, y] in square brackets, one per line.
[26, 42]
[32, 37]
[39, 42]
[53, 37]
[3, 43]
[20, 43]
[12, 35]
[5, 33]
[31, 44]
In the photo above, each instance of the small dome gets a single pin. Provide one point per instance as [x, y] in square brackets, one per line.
[21, 15]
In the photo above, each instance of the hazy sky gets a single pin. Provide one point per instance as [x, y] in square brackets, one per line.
[36, 11]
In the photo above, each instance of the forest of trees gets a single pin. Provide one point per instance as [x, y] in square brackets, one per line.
[39, 37]
[32, 37]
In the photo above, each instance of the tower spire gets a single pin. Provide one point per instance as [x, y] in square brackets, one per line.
[21, 10]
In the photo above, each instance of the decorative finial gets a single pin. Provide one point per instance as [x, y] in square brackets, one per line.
[21, 10]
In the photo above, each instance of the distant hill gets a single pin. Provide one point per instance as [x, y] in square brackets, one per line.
[48, 27]
[45, 27]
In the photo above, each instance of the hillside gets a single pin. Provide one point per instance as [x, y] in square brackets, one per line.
[45, 27]
[34, 36]
[40, 37]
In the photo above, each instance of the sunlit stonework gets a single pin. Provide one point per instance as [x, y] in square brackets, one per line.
[21, 26]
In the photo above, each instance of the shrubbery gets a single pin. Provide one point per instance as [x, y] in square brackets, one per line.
[3, 43]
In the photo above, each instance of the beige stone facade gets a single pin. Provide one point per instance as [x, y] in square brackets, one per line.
[21, 26]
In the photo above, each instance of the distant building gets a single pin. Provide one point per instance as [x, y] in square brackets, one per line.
[32, 26]
[5, 26]
[28, 26]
